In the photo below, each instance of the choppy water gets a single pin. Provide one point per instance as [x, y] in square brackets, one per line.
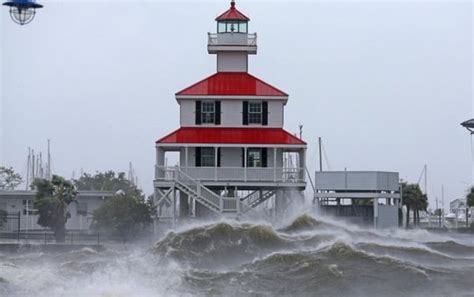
[307, 257]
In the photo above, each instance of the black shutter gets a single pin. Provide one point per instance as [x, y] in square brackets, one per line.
[198, 157]
[245, 113]
[218, 113]
[264, 113]
[243, 157]
[198, 112]
[218, 157]
[264, 157]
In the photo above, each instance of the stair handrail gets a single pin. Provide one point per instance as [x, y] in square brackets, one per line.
[249, 196]
[210, 197]
[263, 197]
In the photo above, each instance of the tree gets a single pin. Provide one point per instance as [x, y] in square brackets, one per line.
[52, 199]
[107, 181]
[470, 197]
[9, 179]
[126, 214]
[469, 202]
[123, 216]
[414, 199]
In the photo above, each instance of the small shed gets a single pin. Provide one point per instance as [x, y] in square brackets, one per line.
[364, 197]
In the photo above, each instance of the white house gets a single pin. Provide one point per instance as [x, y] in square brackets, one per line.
[19, 204]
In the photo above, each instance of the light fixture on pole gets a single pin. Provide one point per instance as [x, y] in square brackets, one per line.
[22, 12]
[469, 125]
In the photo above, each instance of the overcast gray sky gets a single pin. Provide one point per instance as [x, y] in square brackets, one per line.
[385, 84]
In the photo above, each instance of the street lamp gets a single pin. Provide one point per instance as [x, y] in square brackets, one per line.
[469, 125]
[22, 12]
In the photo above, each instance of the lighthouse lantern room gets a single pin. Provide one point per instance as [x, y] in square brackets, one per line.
[234, 155]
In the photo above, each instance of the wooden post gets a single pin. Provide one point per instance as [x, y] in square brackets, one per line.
[245, 163]
[274, 164]
[215, 162]
[186, 154]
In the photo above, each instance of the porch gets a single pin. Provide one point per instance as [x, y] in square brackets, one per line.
[234, 174]
[232, 165]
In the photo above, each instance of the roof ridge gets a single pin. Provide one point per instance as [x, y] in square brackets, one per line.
[232, 10]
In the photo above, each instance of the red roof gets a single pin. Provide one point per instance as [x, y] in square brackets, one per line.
[231, 136]
[232, 83]
[232, 14]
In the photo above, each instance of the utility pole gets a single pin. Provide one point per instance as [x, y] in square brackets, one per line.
[320, 155]
[442, 202]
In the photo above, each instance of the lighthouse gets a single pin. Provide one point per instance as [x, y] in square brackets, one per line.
[235, 158]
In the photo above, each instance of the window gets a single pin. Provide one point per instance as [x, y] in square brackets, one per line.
[28, 207]
[81, 209]
[221, 27]
[243, 27]
[208, 112]
[255, 112]
[254, 158]
[232, 27]
[208, 157]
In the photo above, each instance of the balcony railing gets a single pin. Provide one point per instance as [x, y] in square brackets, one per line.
[237, 39]
[234, 174]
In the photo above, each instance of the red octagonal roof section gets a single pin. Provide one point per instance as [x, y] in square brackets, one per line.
[232, 14]
[231, 84]
[259, 136]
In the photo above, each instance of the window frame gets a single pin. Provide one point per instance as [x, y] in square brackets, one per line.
[208, 117]
[257, 118]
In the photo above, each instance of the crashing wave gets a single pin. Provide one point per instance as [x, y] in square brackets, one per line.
[303, 222]
[219, 244]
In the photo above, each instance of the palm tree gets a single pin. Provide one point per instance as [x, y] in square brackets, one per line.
[52, 199]
[414, 199]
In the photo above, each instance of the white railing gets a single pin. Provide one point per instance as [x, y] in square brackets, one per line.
[197, 188]
[217, 202]
[243, 39]
[234, 174]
